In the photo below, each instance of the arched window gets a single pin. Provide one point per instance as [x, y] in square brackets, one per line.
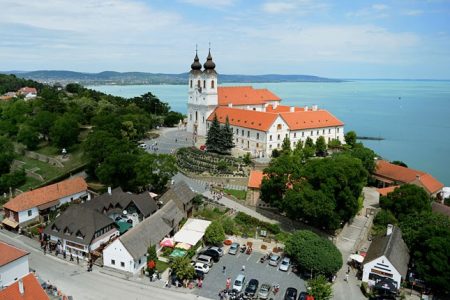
[279, 126]
[204, 84]
[196, 116]
[212, 84]
[198, 83]
[191, 84]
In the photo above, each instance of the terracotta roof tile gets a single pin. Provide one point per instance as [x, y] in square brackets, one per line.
[310, 119]
[387, 190]
[10, 253]
[244, 95]
[32, 290]
[282, 108]
[46, 194]
[27, 90]
[431, 184]
[255, 179]
[244, 118]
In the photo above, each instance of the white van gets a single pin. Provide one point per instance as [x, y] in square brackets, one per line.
[205, 259]
[239, 283]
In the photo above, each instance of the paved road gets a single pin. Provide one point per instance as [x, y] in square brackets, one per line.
[82, 285]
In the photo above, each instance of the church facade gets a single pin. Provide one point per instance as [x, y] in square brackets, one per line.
[259, 121]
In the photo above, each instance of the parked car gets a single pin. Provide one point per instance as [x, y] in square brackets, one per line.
[264, 291]
[212, 253]
[205, 259]
[302, 296]
[285, 263]
[251, 288]
[239, 282]
[143, 146]
[199, 275]
[274, 260]
[234, 248]
[291, 294]
[201, 267]
[217, 249]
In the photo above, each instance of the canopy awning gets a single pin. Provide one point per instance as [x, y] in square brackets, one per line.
[188, 237]
[357, 258]
[10, 223]
[183, 246]
[167, 242]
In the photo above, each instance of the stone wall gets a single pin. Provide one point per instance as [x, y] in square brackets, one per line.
[44, 158]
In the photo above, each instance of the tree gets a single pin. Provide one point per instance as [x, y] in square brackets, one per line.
[286, 146]
[321, 146]
[118, 169]
[350, 138]
[366, 155]
[182, 267]
[247, 159]
[213, 139]
[151, 257]
[44, 121]
[309, 142]
[334, 144]
[309, 149]
[382, 219]
[6, 154]
[214, 234]
[173, 118]
[320, 288]
[399, 163]
[64, 132]
[151, 104]
[313, 253]
[28, 136]
[406, 200]
[154, 170]
[12, 180]
[227, 137]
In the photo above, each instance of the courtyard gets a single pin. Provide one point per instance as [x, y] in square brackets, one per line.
[215, 280]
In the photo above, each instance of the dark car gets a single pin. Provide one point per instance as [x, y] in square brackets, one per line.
[212, 253]
[291, 294]
[302, 296]
[251, 288]
[199, 274]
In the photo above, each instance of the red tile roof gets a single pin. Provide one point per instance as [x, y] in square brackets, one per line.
[255, 179]
[252, 119]
[310, 119]
[387, 190]
[282, 108]
[244, 95]
[10, 253]
[32, 290]
[46, 194]
[27, 90]
[401, 174]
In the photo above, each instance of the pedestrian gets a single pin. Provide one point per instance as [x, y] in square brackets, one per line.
[64, 254]
[243, 268]
[348, 269]
[71, 257]
[78, 260]
[224, 268]
[228, 284]
[176, 140]
[346, 277]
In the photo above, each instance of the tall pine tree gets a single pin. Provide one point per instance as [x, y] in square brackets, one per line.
[227, 137]
[213, 138]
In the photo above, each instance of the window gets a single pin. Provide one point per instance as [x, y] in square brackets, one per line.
[204, 84]
[191, 84]
[257, 135]
[286, 135]
[293, 143]
[198, 83]
[278, 138]
[190, 117]
[248, 144]
[270, 137]
[139, 261]
[295, 134]
[329, 130]
[270, 146]
[196, 116]
[278, 145]
[248, 133]
[242, 132]
[212, 84]
[279, 126]
[203, 119]
[318, 132]
[254, 108]
[312, 133]
[122, 264]
[30, 213]
[337, 129]
[113, 262]
[323, 131]
[257, 145]
[237, 131]
[303, 134]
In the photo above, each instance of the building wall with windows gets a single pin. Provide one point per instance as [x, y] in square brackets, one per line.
[380, 267]
[117, 256]
[11, 272]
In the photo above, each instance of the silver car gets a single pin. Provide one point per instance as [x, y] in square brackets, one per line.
[285, 263]
[274, 260]
[234, 248]
[264, 291]
[218, 250]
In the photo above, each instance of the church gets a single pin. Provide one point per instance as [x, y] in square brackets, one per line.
[259, 121]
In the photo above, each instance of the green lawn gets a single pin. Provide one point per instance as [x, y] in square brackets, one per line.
[161, 266]
[238, 194]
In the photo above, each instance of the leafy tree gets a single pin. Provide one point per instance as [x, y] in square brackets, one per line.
[64, 132]
[286, 146]
[399, 163]
[320, 288]
[151, 256]
[334, 144]
[222, 165]
[227, 137]
[51, 100]
[298, 147]
[382, 219]
[214, 234]
[309, 142]
[247, 159]
[6, 154]
[313, 253]
[309, 149]
[173, 118]
[275, 153]
[128, 131]
[182, 267]
[151, 104]
[29, 137]
[405, 200]
[154, 170]
[44, 121]
[321, 146]
[366, 155]
[213, 138]
[12, 180]
[118, 169]
[350, 138]
[228, 225]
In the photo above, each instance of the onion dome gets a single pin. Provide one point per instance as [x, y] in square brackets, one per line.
[209, 64]
[196, 65]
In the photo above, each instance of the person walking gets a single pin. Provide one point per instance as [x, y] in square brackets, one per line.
[224, 268]
[243, 268]
[71, 257]
[228, 284]
[78, 260]
[346, 277]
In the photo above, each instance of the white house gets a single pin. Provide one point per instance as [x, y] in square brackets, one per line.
[128, 252]
[258, 120]
[27, 207]
[13, 264]
[386, 260]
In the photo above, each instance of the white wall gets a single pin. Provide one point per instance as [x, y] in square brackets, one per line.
[384, 265]
[104, 238]
[23, 215]
[70, 198]
[11, 272]
[117, 252]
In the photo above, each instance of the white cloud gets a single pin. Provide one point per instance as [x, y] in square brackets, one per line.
[210, 3]
[296, 6]
[375, 11]
[380, 6]
[412, 12]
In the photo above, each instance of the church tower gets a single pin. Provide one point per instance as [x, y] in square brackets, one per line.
[202, 95]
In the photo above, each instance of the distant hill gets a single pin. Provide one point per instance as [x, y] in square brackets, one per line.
[123, 78]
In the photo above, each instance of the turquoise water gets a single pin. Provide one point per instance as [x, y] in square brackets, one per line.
[412, 116]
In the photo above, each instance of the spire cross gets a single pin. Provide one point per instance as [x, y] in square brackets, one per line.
[195, 48]
[209, 46]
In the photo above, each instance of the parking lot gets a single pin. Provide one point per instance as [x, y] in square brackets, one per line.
[215, 280]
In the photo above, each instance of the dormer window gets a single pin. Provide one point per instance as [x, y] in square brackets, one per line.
[79, 235]
[55, 229]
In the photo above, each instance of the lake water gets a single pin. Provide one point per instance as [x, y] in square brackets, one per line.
[412, 116]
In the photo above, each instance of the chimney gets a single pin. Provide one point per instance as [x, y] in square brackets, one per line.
[418, 177]
[292, 109]
[275, 105]
[306, 108]
[230, 105]
[109, 190]
[389, 230]
[89, 197]
[21, 289]
[314, 107]
[265, 108]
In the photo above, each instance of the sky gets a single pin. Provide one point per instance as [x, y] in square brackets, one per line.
[407, 39]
